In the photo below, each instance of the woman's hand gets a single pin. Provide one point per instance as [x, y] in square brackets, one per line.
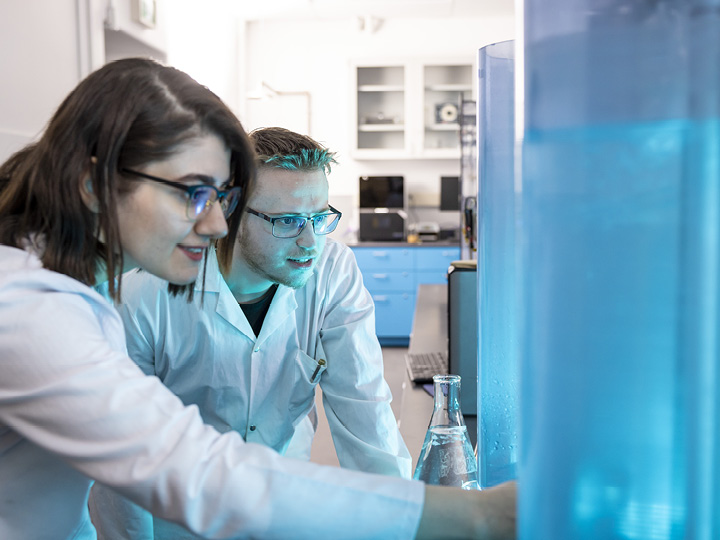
[452, 513]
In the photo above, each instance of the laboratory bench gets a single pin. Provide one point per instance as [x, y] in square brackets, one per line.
[392, 273]
[396, 244]
[429, 334]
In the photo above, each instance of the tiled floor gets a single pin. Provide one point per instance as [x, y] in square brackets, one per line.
[323, 450]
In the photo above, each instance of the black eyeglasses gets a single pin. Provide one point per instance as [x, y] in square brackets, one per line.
[292, 226]
[200, 197]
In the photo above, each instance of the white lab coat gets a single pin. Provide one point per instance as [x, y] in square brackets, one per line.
[74, 407]
[263, 387]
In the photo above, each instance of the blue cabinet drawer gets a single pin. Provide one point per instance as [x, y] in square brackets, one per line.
[433, 277]
[381, 280]
[435, 258]
[392, 275]
[394, 314]
[384, 258]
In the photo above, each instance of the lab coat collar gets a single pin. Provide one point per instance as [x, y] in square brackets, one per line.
[283, 304]
[213, 278]
[218, 297]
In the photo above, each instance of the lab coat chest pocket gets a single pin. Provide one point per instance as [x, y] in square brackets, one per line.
[308, 371]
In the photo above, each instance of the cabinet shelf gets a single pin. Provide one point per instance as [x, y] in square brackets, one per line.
[449, 88]
[381, 127]
[381, 88]
[443, 127]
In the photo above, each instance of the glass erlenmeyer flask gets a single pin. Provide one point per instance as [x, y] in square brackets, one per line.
[447, 457]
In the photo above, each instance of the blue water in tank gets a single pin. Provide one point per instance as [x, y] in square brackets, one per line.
[620, 280]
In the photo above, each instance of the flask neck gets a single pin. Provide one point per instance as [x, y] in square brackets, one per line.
[446, 408]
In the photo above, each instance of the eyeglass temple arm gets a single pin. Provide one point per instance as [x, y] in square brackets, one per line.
[258, 214]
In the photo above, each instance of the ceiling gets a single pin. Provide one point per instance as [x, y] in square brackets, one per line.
[343, 9]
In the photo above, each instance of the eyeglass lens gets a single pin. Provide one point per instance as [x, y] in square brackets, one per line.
[202, 198]
[289, 227]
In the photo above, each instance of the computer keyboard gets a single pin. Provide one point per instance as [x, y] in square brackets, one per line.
[422, 366]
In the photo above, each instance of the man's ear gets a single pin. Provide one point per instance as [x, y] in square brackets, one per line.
[88, 195]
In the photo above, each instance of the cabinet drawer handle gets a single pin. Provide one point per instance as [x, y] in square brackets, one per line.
[380, 276]
[380, 298]
[379, 254]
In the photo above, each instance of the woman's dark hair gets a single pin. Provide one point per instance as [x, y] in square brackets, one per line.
[125, 115]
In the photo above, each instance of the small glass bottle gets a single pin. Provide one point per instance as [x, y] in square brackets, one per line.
[447, 457]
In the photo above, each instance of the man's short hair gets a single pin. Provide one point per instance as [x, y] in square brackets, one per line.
[284, 149]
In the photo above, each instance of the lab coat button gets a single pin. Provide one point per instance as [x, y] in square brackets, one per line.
[256, 349]
[253, 427]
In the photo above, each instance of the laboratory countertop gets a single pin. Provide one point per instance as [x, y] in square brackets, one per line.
[438, 243]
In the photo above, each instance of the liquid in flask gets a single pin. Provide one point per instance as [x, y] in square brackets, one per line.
[447, 457]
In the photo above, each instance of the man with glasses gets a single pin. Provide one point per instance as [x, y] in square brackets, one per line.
[288, 313]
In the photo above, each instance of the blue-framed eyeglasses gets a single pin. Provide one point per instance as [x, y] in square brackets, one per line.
[292, 226]
[200, 197]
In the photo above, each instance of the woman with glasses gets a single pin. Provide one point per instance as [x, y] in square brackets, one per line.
[127, 175]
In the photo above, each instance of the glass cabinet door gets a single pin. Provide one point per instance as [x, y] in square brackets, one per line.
[381, 108]
[444, 88]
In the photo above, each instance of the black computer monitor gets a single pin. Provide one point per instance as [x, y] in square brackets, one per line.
[382, 192]
[450, 193]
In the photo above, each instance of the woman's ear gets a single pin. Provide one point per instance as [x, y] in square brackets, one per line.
[88, 195]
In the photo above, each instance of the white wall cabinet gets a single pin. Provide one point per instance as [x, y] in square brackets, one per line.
[409, 109]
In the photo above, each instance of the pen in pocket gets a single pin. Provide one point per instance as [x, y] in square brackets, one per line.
[321, 363]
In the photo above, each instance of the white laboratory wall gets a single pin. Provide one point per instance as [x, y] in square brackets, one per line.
[208, 45]
[315, 57]
[40, 63]
[49, 46]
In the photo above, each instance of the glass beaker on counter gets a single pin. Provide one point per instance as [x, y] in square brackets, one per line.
[447, 457]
